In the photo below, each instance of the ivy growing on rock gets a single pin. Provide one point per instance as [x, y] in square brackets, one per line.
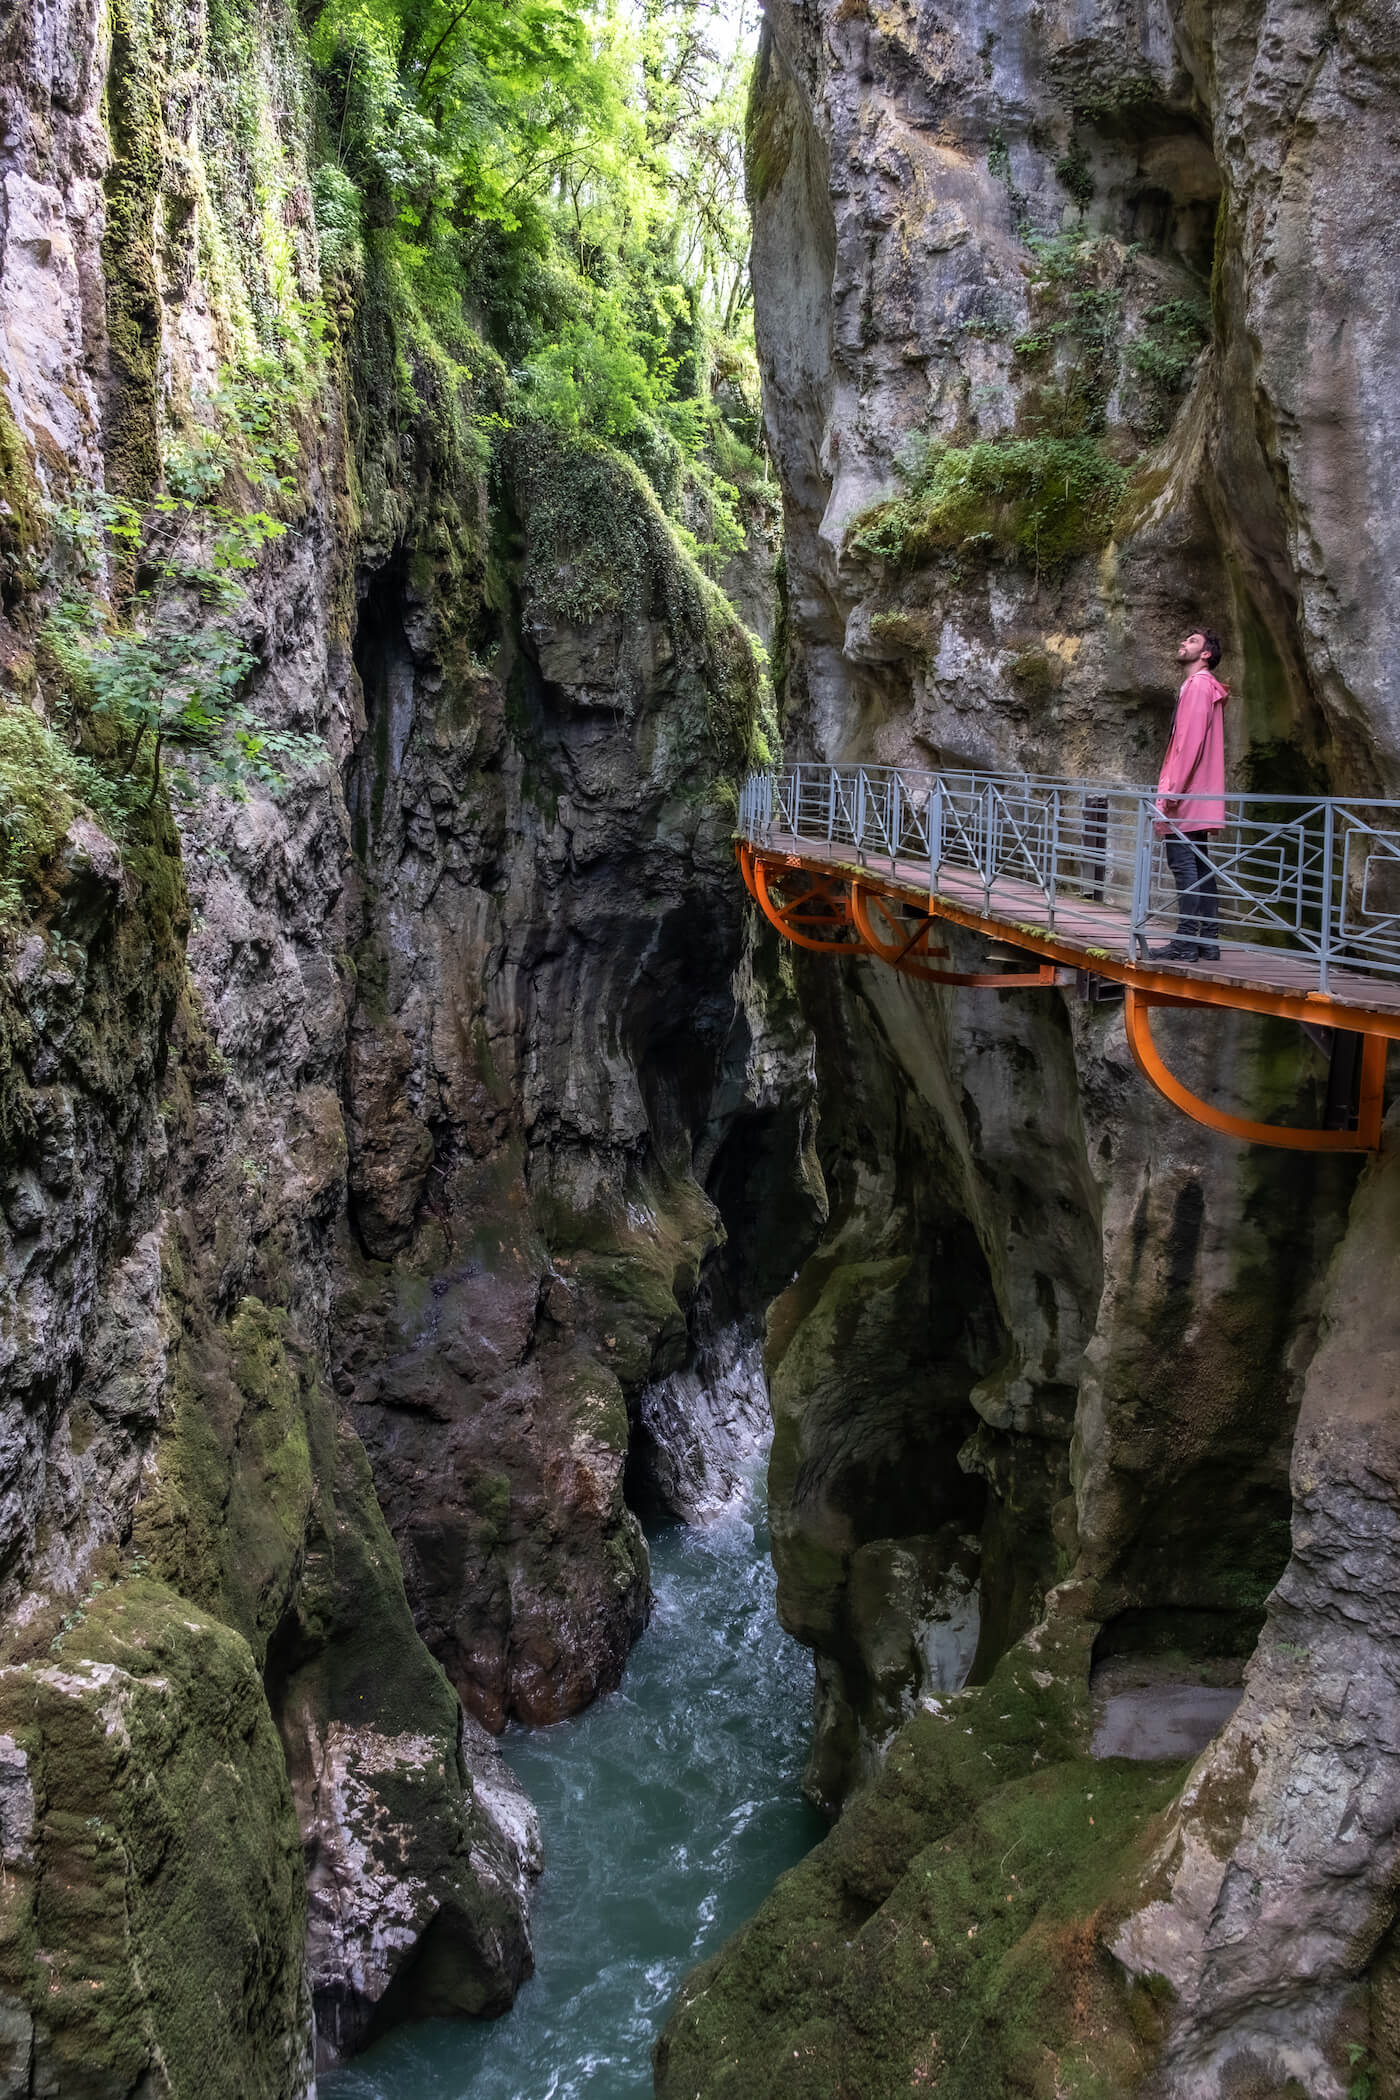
[165, 658]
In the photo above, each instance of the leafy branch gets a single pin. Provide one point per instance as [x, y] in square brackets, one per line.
[170, 666]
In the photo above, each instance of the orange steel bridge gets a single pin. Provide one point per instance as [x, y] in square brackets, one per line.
[1069, 880]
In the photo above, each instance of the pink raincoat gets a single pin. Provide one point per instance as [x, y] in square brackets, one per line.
[1192, 787]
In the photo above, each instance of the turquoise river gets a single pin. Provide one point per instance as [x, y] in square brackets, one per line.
[667, 1811]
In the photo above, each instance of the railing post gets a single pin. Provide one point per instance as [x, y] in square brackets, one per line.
[797, 800]
[1142, 872]
[988, 847]
[894, 821]
[1325, 945]
[831, 805]
[935, 834]
[860, 812]
[1052, 875]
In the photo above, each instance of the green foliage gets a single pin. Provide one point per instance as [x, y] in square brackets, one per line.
[1038, 499]
[1164, 355]
[1363, 2073]
[339, 224]
[1054, 490]
[1075, 173]
[567, 182]
[176, 672]
[20, 510]
[593, 550]
[44, 785]
[174, 668]
[1074, 344]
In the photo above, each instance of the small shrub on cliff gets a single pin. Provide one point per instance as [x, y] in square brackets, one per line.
[168, 661]
[1164, 355]
[1042, 500]
[44, 785]
[174, 671]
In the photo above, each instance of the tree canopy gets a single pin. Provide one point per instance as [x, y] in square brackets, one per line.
[564, 181]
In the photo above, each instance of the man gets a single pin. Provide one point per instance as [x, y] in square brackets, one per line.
[1190, 796]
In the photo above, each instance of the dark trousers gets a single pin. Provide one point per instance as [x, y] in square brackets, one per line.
[1197, 895]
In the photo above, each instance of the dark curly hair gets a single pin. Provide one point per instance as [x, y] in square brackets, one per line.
[1214, 651]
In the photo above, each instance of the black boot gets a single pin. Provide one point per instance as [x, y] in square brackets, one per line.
[1175, 951]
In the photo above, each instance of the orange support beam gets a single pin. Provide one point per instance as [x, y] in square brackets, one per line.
[832, 915]
[1365, 1138]
[905, 956]
[789, 918]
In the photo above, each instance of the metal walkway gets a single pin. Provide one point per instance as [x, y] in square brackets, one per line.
[1071, 877]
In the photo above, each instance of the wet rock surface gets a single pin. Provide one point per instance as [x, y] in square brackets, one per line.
[358, 1126]
[1143, 1712]
[1054, 1340]
[701, 1429]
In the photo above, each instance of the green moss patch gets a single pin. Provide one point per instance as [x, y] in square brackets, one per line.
[1055, 490]
[598, 545]
[22, 526]
[769, 124]
[44, 785]
[155, 1931]
[1039, 500]
[133, 111]
[950, 1933]
[226, 1519]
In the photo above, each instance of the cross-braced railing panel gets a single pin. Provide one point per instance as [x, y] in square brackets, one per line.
[1314, 878]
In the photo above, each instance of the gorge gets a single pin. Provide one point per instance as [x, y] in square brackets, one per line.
[419, 510]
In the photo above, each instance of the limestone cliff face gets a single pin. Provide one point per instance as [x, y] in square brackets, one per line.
[549, 1068]
[1049, 1354]
[196, 1563]
[371, 1133]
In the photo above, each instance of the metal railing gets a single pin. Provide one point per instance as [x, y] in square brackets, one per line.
[1311, 877]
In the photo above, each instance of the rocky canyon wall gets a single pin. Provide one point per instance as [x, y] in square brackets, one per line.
[380, 1126]
[1071, 335]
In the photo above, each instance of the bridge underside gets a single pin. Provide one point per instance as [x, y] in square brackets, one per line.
[821, 899]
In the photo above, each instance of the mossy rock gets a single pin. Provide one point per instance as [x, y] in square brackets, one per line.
[135, 84]
[155, 1913]
[23, 529]
[1042, 500]
[226, 1517]
[950, 1931]
[432, 1922]
[770, 125]
[637, 1270]
[595, 549]
[594, 1404]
